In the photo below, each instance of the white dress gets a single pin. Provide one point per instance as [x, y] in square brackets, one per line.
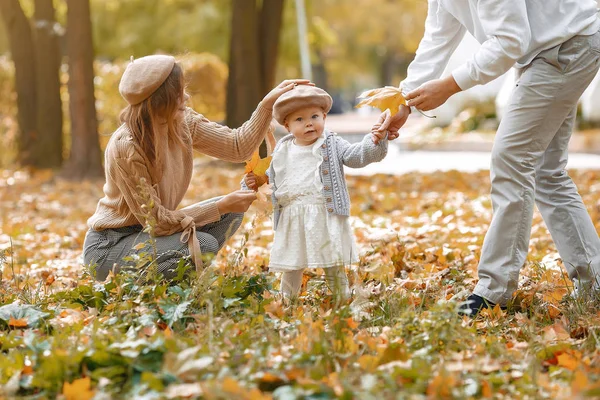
[307, 236]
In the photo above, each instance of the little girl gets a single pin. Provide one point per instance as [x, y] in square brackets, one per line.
[311, 205]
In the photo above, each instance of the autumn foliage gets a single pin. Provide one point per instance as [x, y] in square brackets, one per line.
[227, 334]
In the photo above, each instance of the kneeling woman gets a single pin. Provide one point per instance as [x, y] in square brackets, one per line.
[148, 167]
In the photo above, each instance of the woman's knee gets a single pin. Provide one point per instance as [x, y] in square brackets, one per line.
[229, 225]
[208, 243]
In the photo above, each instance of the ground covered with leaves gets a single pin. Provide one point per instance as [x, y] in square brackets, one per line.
[227, 334]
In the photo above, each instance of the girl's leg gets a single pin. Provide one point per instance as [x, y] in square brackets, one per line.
[338, 282]
[291, 282]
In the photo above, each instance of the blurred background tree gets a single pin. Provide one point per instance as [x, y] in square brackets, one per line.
[85, 156]
[354, 45]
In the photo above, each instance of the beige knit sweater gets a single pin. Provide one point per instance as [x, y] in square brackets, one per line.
[125, 166]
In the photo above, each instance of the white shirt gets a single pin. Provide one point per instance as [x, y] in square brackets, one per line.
[510, 32]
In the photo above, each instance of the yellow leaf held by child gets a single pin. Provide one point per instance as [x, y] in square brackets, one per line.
[388, 97]
[258, 166]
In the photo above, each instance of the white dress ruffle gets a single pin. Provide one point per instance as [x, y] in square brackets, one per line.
[307, 236]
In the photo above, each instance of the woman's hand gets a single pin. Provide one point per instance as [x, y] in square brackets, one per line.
[236, 202]
[283, 87]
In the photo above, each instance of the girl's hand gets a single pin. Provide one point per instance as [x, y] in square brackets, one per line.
[393, 123]
[379, 135]
[236, 202]
[254, 182]
[251, 181]
[283, 87]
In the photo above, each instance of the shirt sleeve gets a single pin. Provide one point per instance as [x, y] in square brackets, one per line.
[234, 145]
[133, 180]
[361, 154]
[443, 34]
[507, 28]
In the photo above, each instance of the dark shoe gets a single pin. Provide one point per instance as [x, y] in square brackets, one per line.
[474, 304]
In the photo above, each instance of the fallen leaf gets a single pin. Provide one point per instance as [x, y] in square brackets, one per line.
[580, 381]
[184, 390]
[486, 389]
[79, 389]
[567, 361]
[17, 323]
[441, 386]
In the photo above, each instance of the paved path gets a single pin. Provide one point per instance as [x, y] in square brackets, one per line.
[466, 152]
[353, 125]
[400, 162]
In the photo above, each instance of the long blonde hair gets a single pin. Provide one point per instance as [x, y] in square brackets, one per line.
[144, 118]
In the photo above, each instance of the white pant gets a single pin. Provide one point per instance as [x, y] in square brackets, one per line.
[528, 164]
[336, 279]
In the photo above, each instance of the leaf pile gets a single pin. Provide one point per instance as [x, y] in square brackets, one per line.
[228, 334]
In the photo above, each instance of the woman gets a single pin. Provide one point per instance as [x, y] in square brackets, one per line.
[148, 167]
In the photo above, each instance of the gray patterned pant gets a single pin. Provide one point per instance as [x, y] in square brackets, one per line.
[104, 250]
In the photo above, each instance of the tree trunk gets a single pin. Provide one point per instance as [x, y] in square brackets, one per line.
[23, 55]
[388, 67]
[244, 84]
[270, 27]
[85, 159]
[48, 150]
[252, 56]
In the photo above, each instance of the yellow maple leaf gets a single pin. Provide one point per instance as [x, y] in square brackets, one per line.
[388, 97]
[79, 389]
[258, 166]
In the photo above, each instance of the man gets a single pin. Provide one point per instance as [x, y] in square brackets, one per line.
[555, 46]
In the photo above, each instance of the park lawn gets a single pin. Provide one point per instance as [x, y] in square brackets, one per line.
[227, 334]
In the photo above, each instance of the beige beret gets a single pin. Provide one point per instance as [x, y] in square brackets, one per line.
[301, 96]
[143, 76]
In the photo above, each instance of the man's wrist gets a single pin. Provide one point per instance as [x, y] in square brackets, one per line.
[451, 84]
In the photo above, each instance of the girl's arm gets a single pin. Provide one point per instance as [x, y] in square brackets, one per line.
[361, 154]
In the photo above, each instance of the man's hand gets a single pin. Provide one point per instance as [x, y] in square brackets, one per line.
[432, 94]
[393, 123]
